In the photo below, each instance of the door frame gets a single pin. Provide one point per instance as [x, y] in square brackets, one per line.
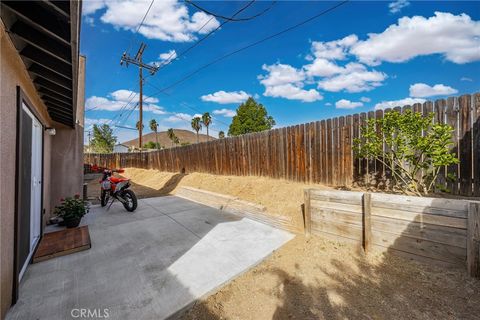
[22, 99]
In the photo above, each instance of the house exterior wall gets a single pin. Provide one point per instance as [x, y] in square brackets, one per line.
[67, 150]
[59, 174]
[13, 74]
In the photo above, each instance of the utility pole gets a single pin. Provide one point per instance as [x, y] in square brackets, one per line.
[137, 60]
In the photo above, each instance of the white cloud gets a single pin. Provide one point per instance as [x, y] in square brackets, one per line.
[89, 122]
[456, 37]
[365, 99]
[398, 5]
[422, 90]
[181, 117]
[168, 20]
[224, 97]
[168, 56]
[347, 104]
[328, 104]
[398, 103]
[466, 79]
[285, 81]
[355, 78]
[322, 68]
[90, 6]
[225, 112]
[89, 20]
[333, 50]
[119, 99]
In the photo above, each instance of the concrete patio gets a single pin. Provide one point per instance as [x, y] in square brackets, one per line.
[149, 264]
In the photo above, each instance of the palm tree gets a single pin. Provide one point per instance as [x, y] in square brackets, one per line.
[221, 134]
[207, 120]
[171, 135]
[197, 125]
[137, 125]
[154, 128]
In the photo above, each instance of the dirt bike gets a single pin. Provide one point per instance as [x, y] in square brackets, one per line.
[117, 188]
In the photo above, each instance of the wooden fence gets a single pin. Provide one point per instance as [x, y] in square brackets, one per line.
[318, 152]
[435, 230]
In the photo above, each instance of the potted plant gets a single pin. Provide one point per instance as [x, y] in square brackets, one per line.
[71, 210]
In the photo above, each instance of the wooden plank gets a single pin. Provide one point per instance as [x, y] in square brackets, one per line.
[307, 212]
[465, 146]
[476, 143]
[452, 120]
[335, 215]
[337, 228]
[337, 195]
[473, 240]
[396, 201]
[419, 230]
[423, 248]
[335, 206]
[356, 160]
[367, 225]
[329, 150]
[421, 217]
[363, 181]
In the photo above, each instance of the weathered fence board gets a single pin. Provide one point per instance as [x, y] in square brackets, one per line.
[318, 152]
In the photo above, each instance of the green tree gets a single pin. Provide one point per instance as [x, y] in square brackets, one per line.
[415, 148]
[171, 135]
[137, 125]
[197, 125]
[152, 145]
[207, 120]
[154, 128]
[221, 134]
[251, 117]
[176, 140]
[103, 139]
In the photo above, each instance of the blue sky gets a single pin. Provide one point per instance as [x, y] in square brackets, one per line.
[358, 57]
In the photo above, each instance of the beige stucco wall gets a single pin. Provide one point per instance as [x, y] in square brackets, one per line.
[13, 74]
[63, 155]
[67, 150]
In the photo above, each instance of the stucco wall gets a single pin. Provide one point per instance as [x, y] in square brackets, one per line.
[67, 151]
[13, 74]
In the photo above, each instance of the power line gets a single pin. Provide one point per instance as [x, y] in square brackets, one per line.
[216, 15]
[139, 26]
[185, 104]
[169, 60]
[321, 13]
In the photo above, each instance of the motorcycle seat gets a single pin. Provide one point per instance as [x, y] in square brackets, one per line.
[117, 180]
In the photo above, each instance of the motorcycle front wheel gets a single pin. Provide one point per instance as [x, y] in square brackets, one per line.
[130, 198]
[104, 198]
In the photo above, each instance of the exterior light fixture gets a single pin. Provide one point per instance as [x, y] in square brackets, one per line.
[50, 131]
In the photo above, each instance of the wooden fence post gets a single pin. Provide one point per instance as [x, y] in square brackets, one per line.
[307, 213]
[473, 239]
[367, 227]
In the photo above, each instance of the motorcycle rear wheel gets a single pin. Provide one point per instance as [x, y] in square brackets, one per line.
[130, 198]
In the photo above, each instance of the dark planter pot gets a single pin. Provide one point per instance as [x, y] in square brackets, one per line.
[72, 223]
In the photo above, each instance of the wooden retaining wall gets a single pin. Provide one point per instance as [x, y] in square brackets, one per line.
[435, 230]
[239, 207]
[318, 152]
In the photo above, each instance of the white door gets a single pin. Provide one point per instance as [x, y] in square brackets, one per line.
[35, 186]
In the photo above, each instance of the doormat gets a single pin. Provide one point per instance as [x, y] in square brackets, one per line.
[60, 243]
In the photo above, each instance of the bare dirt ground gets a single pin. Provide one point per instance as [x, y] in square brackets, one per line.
[318, 279]
[313, 278]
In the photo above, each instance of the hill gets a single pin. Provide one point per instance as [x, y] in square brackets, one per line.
[183, 135]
